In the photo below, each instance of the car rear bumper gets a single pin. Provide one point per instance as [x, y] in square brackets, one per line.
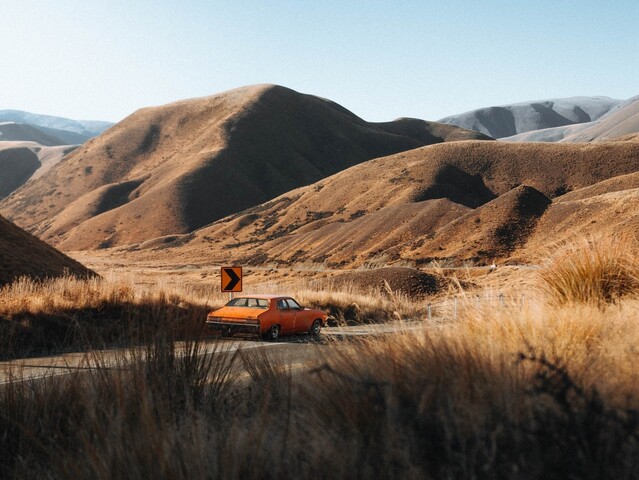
[233, 326]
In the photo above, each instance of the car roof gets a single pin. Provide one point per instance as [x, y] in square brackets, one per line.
[265, 296]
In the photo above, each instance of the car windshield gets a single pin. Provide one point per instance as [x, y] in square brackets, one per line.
[248, 302]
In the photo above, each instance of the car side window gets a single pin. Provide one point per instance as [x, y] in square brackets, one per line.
[282, 305]
[293, 304]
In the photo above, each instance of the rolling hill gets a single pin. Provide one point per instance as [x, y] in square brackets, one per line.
[22, 254]
[30, 144]
[176, 168]
[10, 131]
[71, 132]
[21, 161]
[463, 200]
[509, 120]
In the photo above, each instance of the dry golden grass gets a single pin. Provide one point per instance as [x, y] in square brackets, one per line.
[537, 392]
[540, 390]
[349, 304]
[72, 314]
[27, 295]
[532, 392]
[593, 271]
[67, 313]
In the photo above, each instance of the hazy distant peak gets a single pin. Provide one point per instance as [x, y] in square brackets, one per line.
[507, 120]
[620, 121]
[85, 128]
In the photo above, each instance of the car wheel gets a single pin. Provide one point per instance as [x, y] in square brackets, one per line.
[273, 333]
[316, 327]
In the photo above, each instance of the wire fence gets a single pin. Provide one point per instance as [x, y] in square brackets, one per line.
[452, 307]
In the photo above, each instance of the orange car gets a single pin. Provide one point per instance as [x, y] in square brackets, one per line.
[267, 315]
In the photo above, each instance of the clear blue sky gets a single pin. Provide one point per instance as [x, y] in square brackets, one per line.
[94, 59]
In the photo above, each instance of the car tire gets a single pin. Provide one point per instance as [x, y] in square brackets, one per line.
[227, 332]
[315, 328]
[273, 333]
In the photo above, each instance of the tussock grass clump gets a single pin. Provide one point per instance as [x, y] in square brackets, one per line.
[591, 271]
[348, 304]
[147, 416]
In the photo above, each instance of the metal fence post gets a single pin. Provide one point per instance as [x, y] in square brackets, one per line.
[455, 308]
[430, 313]
[501, 300]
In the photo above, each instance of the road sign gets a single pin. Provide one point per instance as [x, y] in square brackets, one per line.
[231, 279]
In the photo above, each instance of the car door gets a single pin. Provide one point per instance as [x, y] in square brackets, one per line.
[302, 320]
[287, 316]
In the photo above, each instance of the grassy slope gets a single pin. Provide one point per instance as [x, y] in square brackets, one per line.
[406, 205]
[22, 254]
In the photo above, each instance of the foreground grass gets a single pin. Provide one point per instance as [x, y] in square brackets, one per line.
[550, 393]
[545, 390]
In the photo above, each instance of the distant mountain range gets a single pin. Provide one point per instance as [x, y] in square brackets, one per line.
[508, 120]
[11, 132]
[69, 132]
[31, 144]
[620, 121]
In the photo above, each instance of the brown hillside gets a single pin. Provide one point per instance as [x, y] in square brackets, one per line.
[21, 161]
[22, 254]
[614, 213]
[175, 168]
[17, 165]
[371, 236]
[407, 281]
[11, 131]
[403, 205]
[491, 231]
[615, 184]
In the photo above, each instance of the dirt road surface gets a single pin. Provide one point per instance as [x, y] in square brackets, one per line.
[294, 351]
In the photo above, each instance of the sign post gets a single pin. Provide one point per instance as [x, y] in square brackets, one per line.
[231, 280]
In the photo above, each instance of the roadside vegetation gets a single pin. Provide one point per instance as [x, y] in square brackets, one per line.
[70, 314]
[546, 390]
